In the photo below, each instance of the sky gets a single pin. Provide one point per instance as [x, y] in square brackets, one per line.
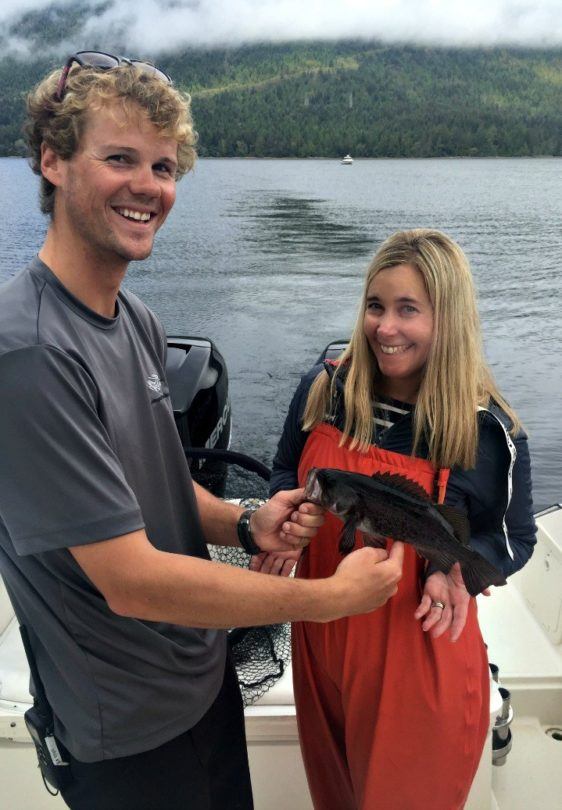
[150, 26]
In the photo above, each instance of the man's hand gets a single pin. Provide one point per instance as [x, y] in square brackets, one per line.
[448, 590]
[285, 522]
[369, 577]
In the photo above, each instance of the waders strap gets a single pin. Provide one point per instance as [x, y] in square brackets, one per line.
[441, 481]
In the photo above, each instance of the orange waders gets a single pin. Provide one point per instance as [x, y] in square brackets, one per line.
[389, 718]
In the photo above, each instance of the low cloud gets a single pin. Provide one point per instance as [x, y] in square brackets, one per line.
[155, 26]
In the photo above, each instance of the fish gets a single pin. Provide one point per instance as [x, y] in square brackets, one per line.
[388, 505]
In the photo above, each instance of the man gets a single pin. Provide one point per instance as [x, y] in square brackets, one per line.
[102, 532]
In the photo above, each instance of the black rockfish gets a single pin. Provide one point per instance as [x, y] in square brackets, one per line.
[387, 505]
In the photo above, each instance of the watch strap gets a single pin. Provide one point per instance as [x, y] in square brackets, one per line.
[245, 533]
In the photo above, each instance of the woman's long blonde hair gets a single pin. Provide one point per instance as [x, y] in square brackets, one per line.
[456, 380]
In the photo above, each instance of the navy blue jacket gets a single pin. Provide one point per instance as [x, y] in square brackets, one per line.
[503, 530]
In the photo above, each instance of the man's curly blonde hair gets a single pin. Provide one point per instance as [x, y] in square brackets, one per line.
[60, 124]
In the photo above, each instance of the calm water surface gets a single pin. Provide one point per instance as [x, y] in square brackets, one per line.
[267, 259]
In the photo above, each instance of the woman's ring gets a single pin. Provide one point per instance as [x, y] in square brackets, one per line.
[438, 604]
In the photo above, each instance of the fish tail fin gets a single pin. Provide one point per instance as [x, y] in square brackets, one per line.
[457, 520]
[478, 574]
[347, 537]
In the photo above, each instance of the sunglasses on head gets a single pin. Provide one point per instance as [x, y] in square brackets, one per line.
[105, 61]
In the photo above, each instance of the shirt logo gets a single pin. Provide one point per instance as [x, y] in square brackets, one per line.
[154, 383]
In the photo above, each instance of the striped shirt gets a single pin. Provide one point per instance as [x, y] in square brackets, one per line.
[386, 412]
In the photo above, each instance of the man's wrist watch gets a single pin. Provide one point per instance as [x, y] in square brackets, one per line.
[245, 533]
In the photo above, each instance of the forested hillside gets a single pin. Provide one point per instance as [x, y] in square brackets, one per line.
[326, 99]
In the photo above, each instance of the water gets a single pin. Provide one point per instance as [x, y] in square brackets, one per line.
[267, 259]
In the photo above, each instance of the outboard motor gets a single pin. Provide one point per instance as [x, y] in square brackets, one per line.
[198, 382]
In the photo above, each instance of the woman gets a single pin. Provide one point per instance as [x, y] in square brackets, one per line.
[392, 715]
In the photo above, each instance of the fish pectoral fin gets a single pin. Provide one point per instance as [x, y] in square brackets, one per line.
[347, 537]
[374, 540]
[457, 520]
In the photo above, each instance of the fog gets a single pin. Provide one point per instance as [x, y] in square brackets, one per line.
[153, 26]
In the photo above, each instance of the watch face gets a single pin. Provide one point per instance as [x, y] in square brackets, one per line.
[252, 503]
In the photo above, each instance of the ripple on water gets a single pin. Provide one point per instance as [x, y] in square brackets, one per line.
[267, 258]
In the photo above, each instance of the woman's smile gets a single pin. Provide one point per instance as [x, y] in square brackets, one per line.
[393, 349]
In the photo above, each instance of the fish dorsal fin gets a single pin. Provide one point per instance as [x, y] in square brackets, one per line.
[457, 521]
[402, 484]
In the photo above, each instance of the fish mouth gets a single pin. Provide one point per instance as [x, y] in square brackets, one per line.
[313, 490]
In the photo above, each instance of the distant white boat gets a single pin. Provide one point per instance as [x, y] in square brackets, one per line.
[347, 160]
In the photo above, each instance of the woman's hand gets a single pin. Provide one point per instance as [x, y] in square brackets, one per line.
[448, 590]
[278, 563]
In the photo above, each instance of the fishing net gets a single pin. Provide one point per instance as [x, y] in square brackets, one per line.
[260, 654]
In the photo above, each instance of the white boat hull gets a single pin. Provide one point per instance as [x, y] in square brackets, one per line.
[278, 776]
[522, 625]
